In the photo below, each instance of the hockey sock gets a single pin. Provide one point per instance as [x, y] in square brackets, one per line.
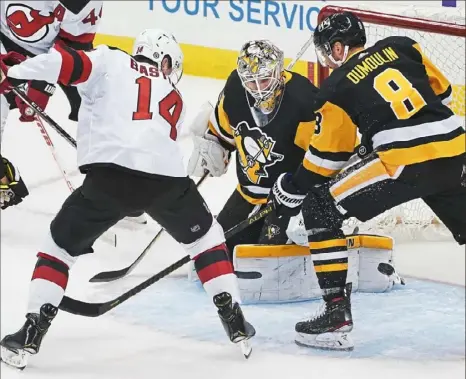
[330, 258]
[215, 272]
[48, 283]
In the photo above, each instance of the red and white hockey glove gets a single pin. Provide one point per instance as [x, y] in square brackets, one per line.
[6, 61]
[39, 92]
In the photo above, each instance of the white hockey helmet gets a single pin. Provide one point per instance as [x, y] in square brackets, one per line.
[156, 45]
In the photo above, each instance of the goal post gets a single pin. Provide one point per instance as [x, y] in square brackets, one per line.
[443, 41]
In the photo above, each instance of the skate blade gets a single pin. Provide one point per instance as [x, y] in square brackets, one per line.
[17, 360]
[246, 348]
[325, 341]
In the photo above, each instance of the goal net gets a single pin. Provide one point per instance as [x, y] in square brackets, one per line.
[442, 38]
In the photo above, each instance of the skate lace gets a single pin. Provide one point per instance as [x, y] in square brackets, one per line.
[319, 313]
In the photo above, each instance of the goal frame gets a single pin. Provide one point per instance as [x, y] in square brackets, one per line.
[387, 19]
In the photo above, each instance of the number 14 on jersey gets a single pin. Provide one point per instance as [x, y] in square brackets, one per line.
[170, 107]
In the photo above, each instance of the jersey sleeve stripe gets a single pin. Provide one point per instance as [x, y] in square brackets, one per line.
[324, 163]
[86, 68]
[331, 156]
[411, 133]
[67, 64]
[216, 127]
[425, 152]
[251, 198]
[318, 170]
[76, 66]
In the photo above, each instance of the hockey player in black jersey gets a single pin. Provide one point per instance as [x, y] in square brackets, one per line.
[265, 114]
[397, 99]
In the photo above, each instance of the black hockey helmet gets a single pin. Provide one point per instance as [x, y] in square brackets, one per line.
[344, 27]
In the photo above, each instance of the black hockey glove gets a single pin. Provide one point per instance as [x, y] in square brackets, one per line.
[12, 187]
[286, 198]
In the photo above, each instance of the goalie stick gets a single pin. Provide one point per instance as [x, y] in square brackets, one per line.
[82, 308]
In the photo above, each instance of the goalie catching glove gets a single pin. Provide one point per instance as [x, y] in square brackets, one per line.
[208, 156]
[12, 188]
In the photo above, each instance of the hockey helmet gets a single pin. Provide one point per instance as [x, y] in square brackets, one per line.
[344, 27]
[157, 44]
[260, 68]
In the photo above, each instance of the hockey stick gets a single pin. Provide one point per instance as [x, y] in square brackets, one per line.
[51, 146]
[62, 132]
[108, 276]
[301, 52]
[81, 308]
[108, 236]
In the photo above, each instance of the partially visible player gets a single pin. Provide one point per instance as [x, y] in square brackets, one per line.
[31, 27]
[397, 99]
[12, 187]
[128, 126]
[264, 113]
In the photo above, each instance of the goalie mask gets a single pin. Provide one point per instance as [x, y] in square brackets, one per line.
[260, 68]
[162, 49]
[345, 28]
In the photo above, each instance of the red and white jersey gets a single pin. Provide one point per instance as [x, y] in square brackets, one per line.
[35, 25]
[130, 114]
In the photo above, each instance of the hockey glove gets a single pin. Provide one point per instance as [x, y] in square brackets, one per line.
[285, 196]
[12, 187]
[6, 61]
[39, 92]
[208, 156]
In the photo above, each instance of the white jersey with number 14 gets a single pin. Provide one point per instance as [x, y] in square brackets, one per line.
[130, 113]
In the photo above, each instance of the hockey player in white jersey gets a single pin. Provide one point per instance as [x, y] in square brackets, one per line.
[127, 130]
[31, 27]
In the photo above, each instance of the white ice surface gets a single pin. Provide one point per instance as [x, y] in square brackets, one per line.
[110, 348]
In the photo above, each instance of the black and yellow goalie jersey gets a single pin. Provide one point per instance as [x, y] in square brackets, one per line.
[396, 98]
[264, 149]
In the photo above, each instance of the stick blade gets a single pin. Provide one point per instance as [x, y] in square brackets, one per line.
[81, 308]
[109, 276]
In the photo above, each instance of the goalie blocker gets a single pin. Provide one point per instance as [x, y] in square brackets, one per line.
[285, 273]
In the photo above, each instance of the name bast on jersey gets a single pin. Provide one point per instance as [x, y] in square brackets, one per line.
[264, 149]
[130, 113]
[394, 95]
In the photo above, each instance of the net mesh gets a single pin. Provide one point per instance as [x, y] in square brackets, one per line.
[415, 220]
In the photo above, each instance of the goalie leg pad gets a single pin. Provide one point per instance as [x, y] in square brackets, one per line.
[275, 273]
[372, 251]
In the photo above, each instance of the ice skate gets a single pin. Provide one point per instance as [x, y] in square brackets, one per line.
[330, 328]
[232, 318]
[16, 348]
